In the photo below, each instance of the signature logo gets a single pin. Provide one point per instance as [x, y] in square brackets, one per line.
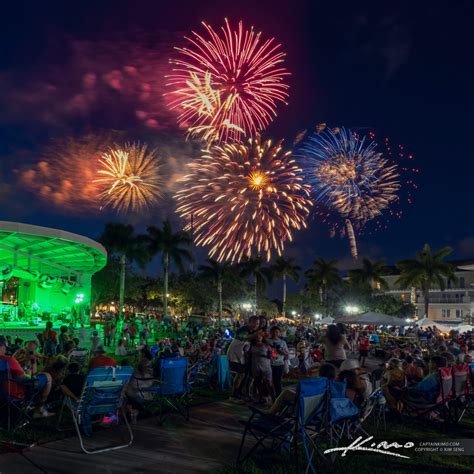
[383, 447]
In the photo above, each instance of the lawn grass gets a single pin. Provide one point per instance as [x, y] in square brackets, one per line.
[371, 463]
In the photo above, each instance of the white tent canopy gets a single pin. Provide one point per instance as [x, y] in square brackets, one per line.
[326, 320]
[425, 322]
[372, 318]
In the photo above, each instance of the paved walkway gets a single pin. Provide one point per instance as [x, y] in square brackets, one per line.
[207, 442]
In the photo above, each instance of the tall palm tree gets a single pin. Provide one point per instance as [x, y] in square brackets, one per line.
[371, 274]
[283, 268]
[120, 239]
[261, 274]
[218, 272]
[323, 276]
[170, 244]
[425, 271]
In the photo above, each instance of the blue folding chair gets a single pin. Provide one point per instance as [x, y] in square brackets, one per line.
[312, 417]
[282, 431]
[171, 389]
[224, 379]
[103, 395]
[343, 413]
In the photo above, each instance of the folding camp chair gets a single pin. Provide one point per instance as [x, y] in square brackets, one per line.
[17, 413]
[171, 389]
[282, 431]
[103, 395]
[374, 407]
[343, 414]
[421, 407]
[312, 417]
[462, 390]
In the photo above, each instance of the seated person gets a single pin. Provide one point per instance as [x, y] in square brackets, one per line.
[74, 381]
[101, 360]
[359, 386]
[393, 383]
[17, 389]
[121, 350]
[428, 389]
[288, 395]
[413, 372]
[28, 357]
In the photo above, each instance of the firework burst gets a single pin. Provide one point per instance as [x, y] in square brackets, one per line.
[227, 84]
[129, 178]
[350, 177]
[244, 200]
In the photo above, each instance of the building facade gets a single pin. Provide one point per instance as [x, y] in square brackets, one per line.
[453, 305]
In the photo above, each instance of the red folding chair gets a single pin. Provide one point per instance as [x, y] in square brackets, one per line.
[462, 389]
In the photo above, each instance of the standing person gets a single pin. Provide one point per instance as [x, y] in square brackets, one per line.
[260, 359]
[363, 347]
[113, 330]
[82, 335]
[95, 341]
[107, 329]
[50, 340]
[335, 345]
[279, 354]
[237, 355]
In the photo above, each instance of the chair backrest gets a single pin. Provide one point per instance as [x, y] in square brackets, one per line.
[312, 397]
[173, 375]
[340, 407]
[446, 384]
[461, 378]
[103, 390]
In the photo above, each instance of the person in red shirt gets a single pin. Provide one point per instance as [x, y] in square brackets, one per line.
[17, 390]
[101, 360]
[363, 346]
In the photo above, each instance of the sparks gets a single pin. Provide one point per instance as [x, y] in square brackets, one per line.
[226, 85]
[349, 176]
[244, 200]
[129, 178]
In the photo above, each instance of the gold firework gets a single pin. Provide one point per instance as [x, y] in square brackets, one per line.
[129, 178]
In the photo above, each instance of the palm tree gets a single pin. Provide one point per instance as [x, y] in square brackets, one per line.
[170, 245]
[323, 276]
[425, 271]
[218, 272]
[260, 273]
[371, 274]
[120, 239]
[286, 267]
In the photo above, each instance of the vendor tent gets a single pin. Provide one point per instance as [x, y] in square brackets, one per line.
[372, 318]
[464, 328]
[425, 322]
[326, 320]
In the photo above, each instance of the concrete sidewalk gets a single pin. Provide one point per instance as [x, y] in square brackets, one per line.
[207, 442]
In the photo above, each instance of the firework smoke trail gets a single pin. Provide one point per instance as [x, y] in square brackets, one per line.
[64, 176]
[129, 178]
[244, 77]
[244, 200]
[349, 176]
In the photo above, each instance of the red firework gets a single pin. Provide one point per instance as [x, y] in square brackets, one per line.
[229, 82]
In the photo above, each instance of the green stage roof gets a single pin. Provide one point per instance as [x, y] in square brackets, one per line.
[49, 251]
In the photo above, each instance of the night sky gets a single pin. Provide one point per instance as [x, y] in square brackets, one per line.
[403, 69]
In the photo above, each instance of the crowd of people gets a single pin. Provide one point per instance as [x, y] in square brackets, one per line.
[260, 352]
